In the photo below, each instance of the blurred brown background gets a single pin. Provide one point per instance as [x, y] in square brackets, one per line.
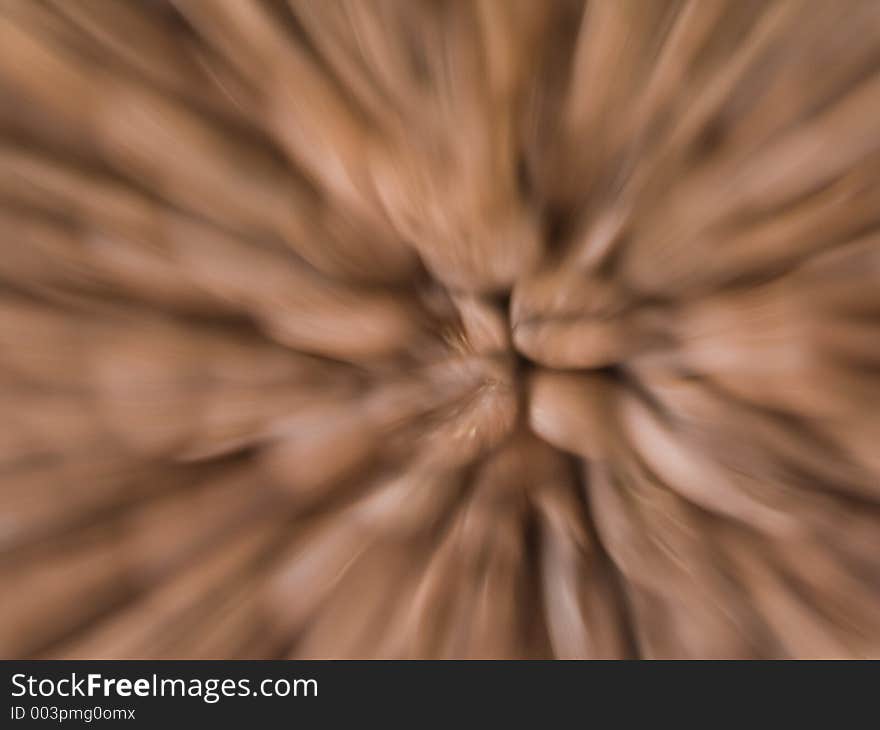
[411, 328]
